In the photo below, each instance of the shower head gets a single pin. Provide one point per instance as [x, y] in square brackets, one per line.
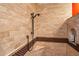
[34, 15]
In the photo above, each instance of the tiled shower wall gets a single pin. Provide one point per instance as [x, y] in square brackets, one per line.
[15, 23]
[52, 20]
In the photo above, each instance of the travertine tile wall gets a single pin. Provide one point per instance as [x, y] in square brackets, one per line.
[15, 25]
[51, 22]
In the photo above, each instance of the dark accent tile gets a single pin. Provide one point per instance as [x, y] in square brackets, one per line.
[48, 39]
[76, 47]
[26, 48]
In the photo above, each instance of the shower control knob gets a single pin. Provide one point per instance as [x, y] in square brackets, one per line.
[32, 33]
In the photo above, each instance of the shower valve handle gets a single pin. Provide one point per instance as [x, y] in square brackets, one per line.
[32, 32]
